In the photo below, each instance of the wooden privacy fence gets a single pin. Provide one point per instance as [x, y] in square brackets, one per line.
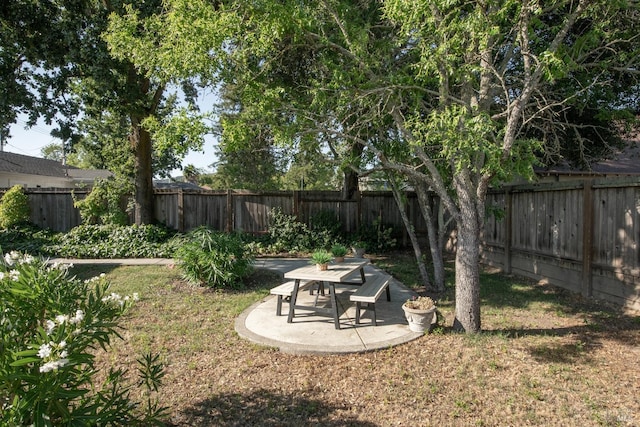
[235, 210]
[248, 211]
[582, 236]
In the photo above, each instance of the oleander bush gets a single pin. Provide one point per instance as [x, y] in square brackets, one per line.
[51, 325]
[377, 236]
[215, 259]
[287, 234]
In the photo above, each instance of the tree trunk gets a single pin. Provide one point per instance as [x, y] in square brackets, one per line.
[433, 232]
[350, 186]
[412, 236]
[467, 313]
[141, 144]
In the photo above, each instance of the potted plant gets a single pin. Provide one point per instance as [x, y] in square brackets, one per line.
[321, 259]
[358, 248]
[338, 251]
[419, 312]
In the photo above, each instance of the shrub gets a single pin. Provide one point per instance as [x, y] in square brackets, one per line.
[104, 204]
[26, 238]
[14, 207]
[50, 325]
[114, 241]
[213, 258]
[286, 233]
[326, 227]
[376, 237]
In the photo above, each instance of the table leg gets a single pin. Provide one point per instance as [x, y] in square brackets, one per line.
[292, 302]
[362, 275]
[334, 304]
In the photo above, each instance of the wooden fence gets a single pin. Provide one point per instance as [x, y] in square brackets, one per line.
[582, 236]
[234, 210]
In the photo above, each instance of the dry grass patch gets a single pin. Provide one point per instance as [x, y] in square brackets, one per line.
[546, 358]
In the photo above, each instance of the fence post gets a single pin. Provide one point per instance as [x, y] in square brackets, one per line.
[587, 238]
[229, 226]
[296, 204]
[180, 210]
[358, 196]
[508, 232]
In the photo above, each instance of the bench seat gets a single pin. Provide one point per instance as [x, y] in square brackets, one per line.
[286, 289]
[368, 293]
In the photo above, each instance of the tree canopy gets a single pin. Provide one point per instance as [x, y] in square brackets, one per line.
[55, 64]
[454, 96]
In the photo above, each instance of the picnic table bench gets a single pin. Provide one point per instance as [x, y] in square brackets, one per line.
[368, 293]
[286, 289]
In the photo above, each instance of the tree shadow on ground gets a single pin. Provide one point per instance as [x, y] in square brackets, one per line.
[87, 271]
[265, 408]
[575, 343]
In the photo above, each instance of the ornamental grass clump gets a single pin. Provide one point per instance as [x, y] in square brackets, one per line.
[339, 250]
[321, 257]
[215, 259]
[51, 326]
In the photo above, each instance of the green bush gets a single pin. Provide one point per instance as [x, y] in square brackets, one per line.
[377, 237]
[288, 234]
[104, 204]
[14, 207]
[326, 227]
[26, 238]
[211, 258]
[114, 241]
[50, 326]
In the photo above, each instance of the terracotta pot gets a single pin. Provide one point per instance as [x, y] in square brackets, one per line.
[322, 267]
[338, 259]
[419, 320]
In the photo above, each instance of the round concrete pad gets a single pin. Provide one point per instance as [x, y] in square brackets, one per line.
[314, 333]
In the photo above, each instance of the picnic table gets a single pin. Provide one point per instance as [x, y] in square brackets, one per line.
[336, 273]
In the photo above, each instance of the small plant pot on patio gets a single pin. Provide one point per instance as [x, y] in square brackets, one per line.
[419, 313]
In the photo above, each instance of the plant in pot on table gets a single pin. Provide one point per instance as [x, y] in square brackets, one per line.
[338, 251]
[419, 312]
[321, 259]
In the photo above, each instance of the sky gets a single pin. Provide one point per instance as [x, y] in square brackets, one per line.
[29, 142]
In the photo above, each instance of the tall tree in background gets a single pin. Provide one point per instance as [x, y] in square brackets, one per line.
[445, 93]
[67, 74]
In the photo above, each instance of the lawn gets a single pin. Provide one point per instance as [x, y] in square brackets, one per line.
[546, 357]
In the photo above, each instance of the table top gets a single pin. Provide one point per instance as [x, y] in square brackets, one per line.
[336, 272]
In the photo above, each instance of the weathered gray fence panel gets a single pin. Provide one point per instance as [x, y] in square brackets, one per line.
[251, 210]
[53, 209]
[582, 236]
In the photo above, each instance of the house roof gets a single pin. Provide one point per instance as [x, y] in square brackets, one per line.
[625, 161]
[88, 174]
[18, 163]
